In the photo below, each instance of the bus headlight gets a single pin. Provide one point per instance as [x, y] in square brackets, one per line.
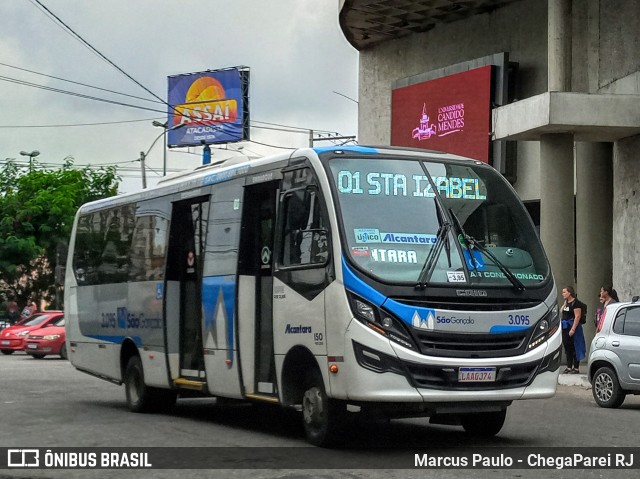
[545, 328]
[380, 321]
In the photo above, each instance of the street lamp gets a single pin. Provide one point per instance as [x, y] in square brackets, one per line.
[144, 155]
[31, 156]
[164, 125]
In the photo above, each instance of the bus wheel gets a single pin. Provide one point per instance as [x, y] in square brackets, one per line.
[484, 424]
[322, 416]
[138, 394]
[63, 351]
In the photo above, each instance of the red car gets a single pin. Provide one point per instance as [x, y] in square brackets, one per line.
[13, 338]
[47, 340]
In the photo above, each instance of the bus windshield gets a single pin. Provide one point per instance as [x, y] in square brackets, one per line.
[461, 224]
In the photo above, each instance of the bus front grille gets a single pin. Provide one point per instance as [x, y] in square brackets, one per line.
[471, 345]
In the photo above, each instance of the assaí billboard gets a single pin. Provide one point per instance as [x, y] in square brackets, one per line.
[208, 107]
[450, 114]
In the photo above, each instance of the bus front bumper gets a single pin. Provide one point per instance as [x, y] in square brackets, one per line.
[385, 376]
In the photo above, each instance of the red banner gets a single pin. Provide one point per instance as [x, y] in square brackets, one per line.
[450, 114]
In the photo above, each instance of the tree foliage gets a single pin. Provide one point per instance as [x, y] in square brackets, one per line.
[37, 209]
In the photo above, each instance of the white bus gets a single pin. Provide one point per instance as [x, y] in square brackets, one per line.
[334, 280]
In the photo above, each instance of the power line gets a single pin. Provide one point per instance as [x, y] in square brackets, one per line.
[97, 52]
[272, 146]
[286, 128]
[82, 124]
[78, 83]
[93, 49]
[79, 95]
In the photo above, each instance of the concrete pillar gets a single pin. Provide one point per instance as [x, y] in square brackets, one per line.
[594, 224]
[559, 45]
[556, 206]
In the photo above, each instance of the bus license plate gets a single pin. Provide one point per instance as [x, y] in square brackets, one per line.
[476, 375]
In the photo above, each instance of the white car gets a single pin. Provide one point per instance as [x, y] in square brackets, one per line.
[614, 361]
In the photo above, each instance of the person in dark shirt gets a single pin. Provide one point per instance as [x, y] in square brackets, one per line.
[12, 311]
[572, 333]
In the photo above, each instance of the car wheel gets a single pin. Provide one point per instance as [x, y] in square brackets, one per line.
[484, 424]
[606, 388]
[323, 417]
[7, 351]
[38, 356]
[63, 351]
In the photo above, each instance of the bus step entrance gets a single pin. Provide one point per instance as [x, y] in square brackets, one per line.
[260, 397]
[189, 384]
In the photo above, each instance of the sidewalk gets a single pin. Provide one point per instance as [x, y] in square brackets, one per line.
[579, 380]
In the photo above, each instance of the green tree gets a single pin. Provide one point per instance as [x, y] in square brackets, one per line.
[37, 209]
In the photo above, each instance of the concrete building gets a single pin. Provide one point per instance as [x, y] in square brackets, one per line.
[574, 112]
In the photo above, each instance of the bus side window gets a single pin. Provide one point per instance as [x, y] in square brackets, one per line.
[305, 235]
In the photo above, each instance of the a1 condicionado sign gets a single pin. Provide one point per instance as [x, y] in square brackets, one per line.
[208, 107]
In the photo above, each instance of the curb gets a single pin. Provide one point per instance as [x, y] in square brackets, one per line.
[579, 380]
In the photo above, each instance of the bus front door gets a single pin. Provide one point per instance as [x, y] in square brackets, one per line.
[184, 287]
[255, 292]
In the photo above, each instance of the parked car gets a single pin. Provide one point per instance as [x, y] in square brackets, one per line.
[49, 339]
[614, 361]
[12, 338]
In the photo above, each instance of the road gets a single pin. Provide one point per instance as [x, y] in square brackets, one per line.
[47, 403]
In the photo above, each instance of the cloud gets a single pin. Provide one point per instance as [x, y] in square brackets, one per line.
[295, 49]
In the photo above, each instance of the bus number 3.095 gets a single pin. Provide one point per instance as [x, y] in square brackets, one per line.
[519, 319]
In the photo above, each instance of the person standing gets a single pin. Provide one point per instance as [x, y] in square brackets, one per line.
[572, 333]
[608, 295]
[12, 311]
[29, 309]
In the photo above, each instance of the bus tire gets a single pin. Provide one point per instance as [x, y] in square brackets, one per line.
[63, 351]
[323, 417]
[137, 392]
[484, 424]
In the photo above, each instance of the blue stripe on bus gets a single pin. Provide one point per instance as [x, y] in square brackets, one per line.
[359, 287]
[216, 290]
[405, 313]
[500, 329]
[354, 149]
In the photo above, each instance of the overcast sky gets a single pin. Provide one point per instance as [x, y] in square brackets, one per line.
[295, 50]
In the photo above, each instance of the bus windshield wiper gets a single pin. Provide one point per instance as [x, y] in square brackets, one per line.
[471, 243]
[433, 255]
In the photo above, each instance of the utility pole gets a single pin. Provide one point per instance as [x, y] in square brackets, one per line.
[143, 170]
